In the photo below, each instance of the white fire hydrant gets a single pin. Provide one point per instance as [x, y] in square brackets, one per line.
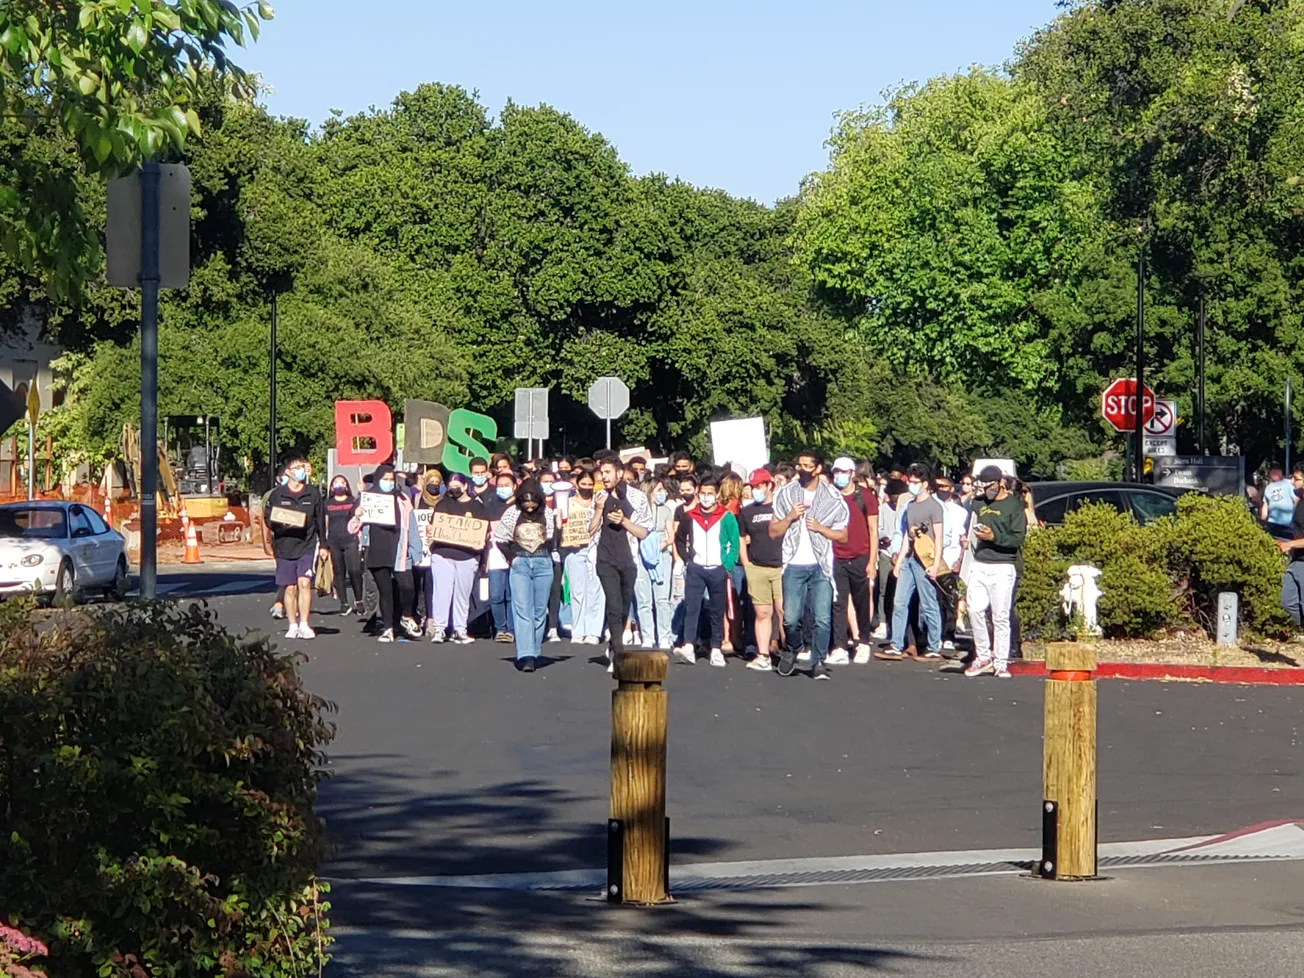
[1082, 593]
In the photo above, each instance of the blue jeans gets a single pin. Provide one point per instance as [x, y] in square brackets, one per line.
[800, 581]
[531, 583]
[587, 604]
[500, 599]
[914, 581]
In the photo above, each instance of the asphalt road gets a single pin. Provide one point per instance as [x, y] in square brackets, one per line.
[449, 762]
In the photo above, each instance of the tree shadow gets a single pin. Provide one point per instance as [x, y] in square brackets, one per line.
[1268, 655]
[387, 833]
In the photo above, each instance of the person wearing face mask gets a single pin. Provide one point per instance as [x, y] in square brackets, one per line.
[707, 543]
[917, 566]
[393, 547]
[495, 503]
[453, 568]
[955, 518]
[278, 606]
[1000, 525]
[686, 500]
[480, 485]
[428, 491]
[346, 558]
[762, 557]
[294, 532]
[525, 536]
[622, 517]
[658, 607]
[810, 516]
[851, 563]
[576, 548]
[548, 486]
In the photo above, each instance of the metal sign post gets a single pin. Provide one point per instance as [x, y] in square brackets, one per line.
[531, 419]
[608, 398]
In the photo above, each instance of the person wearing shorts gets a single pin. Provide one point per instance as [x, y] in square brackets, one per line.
[294, 532]
[763, 564]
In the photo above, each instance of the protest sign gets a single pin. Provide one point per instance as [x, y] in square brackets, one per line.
[457, 531]
[575, 531]
[285, 516]
[741, 441]
[378, 508]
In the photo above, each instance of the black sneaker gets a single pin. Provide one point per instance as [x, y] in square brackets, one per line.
[787, 663]
[346, 609]
[527, 664]
[820, 671]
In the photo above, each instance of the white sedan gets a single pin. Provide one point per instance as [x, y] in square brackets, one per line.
[60, 550]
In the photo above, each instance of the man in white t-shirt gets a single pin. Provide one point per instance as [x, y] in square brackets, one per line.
[810, 515]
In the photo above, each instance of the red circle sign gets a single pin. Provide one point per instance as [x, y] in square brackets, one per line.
[1118, 404]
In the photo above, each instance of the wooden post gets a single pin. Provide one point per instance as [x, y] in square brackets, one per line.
[636, 846]
[1069, 771]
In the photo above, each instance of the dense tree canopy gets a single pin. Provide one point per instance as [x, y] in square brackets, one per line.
[959, 282]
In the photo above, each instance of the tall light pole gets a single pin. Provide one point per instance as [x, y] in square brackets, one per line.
[271, 418]
[1138, 445]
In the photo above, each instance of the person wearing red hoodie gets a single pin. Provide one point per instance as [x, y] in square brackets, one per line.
[706, 540]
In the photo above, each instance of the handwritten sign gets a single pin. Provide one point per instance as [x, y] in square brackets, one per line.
[456, 531]
[378, 508]
[285, 516]
[575, 531]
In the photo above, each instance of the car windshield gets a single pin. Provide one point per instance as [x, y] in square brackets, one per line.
[36, 523]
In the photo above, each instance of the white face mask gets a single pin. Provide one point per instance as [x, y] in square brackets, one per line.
[706, 501]
[915, 488]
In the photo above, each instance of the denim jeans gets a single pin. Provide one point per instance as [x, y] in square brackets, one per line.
[500, 599]
[587, 604]
[1292, 591]
[800, 581]
[914, 581]
[531, 581]
[665, 607]
[652, 604]
[711, 584]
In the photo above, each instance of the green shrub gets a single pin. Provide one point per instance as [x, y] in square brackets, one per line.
[1037, 600]
[157, 780]
[1136, 598]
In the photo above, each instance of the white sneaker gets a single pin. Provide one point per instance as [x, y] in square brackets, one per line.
[305, 631]
[627, 637]
[553, 636]
[411, 628]
[761, 664]
[278, 610]
[980, 667]
[666, 646]
[636, 639]
[837, 657]
[862, 655]
[717, 658]
[387, 636]
[1001, 671]
[591, 640]
[461, 638]
[686, 655]
[437, 635]
[948, 646]
[803, 655]
[880, 632]
[293, 631]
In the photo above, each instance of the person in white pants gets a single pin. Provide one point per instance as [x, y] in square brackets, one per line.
[1000, 525]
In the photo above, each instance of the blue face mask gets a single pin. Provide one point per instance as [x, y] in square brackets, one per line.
[659, 498]
[299, 474]
[842, 479]
[283, 479]
[480, 480]
[505, 492]
[547, 488]
[758, 495]
[385, 485]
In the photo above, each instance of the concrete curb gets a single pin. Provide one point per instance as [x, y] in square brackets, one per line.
[1242, 675]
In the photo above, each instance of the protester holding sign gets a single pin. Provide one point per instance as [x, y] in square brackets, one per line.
[294, 532]
[454, 558]
[346, 558]
[495, 504]
[393, 546]
[429, 493]
[586, 600]
[525, 536]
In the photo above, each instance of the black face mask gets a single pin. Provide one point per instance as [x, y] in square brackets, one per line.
[943, 494]
[805, 478]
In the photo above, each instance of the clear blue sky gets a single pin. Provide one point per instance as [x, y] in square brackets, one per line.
[736, 95]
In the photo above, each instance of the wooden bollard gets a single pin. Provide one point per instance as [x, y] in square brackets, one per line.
[638, 845]
[1068, 841]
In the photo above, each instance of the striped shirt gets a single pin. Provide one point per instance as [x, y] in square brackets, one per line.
[828, 508]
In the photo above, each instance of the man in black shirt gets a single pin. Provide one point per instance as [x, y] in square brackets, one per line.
[1292, 585]
[763, 561]
[294, 532]
[621, 518]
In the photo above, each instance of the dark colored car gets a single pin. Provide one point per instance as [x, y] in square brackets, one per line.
[1052, 500]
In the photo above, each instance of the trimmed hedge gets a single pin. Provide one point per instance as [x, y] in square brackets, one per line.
[157, 780]
[1165, 575]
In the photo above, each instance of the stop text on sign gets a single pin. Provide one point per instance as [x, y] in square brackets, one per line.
[1118, 404]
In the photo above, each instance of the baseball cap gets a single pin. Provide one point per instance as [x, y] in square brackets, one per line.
[759, 476]
[990, 474]
[844, 464]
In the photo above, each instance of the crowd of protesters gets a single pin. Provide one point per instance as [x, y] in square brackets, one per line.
[799, 565]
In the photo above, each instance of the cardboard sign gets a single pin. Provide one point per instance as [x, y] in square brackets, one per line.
[285, 516]
[378, 508]
[424, 516]
[575, 531]
[457, 531]
[741, 442]
[627, 455]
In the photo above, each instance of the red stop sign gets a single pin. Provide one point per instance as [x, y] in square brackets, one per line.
[1118, 404]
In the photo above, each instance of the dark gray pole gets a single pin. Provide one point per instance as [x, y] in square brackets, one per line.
[1199, 408]
[271, 420]
[149, 281]
[1288, 393]
[1138, 451]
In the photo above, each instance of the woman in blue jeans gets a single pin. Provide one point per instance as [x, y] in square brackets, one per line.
[526, 536]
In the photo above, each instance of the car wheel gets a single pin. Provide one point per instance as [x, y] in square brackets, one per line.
[65, 588]
[121, 582]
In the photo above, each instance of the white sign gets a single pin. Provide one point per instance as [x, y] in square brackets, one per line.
[1159, 444]
[741, 441]
[378, 508]
[1164, 422]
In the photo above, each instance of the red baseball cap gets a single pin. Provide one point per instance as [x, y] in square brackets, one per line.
[759, 476]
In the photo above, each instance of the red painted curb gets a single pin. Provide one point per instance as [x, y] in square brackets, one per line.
[1244, 675]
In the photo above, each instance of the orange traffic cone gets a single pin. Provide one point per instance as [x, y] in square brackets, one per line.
[192, 545]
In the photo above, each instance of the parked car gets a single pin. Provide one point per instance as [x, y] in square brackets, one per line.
[1053, 500]
[60, 551]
